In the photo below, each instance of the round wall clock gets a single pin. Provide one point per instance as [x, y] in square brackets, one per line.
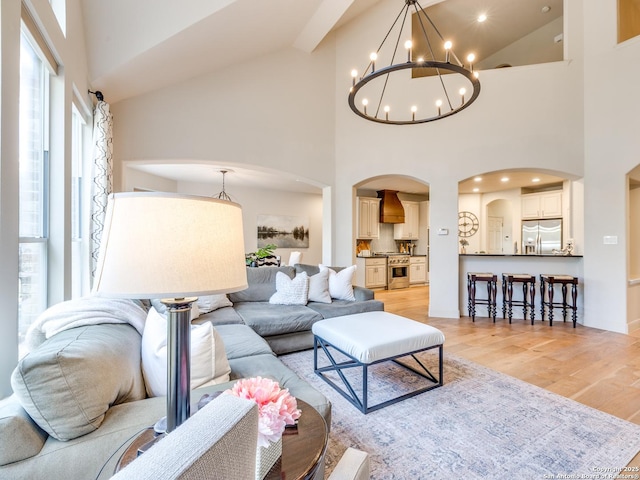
[467, 224]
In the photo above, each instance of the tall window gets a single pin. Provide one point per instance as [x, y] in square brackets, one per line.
[34, 81]
[78, 267]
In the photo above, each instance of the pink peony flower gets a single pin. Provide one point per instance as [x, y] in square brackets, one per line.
[276, 407]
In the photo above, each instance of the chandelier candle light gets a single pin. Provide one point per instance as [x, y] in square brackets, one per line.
[435, 78]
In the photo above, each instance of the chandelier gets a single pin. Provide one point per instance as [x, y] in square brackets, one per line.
[223, 195]
[438, 87]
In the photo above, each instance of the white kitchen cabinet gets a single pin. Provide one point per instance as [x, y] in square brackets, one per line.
[371, 272]
[410, 229]
[368, 217]
[542, 205]
[418, 270]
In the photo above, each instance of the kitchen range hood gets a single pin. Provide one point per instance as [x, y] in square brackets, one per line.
[391, 209]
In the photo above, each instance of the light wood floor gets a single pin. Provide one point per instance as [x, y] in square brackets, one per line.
[597, 368]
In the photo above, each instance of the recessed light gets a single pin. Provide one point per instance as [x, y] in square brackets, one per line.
[535, 180]
[546, 9]
[476, 190]
[477, 179]
[504, 179]
[482, 17]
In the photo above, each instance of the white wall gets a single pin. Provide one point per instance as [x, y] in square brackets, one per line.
[612, 144]
[537, 47]
[275, 112]
[134, 179]
[256, 202]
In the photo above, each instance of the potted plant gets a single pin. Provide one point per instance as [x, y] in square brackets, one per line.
[253, 257]
[463, 243]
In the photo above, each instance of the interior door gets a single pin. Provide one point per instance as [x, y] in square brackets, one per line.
[494, 235]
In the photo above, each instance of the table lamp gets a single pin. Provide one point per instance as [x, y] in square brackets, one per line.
[174, 247]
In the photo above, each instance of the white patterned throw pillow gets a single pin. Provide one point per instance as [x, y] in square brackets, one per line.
[291, 291]
[341, 283]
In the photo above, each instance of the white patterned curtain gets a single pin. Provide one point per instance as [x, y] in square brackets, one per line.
[102, 175]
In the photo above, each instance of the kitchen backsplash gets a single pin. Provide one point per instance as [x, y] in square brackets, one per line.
[385, 243]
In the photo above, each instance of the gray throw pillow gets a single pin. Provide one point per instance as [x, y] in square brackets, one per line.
[70, 381]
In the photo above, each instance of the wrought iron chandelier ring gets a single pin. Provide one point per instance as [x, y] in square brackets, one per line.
[411, 65]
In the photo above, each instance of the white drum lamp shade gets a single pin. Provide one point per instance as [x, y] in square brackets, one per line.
[157, 245]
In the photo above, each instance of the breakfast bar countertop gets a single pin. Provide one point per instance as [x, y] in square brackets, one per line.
[548, 255]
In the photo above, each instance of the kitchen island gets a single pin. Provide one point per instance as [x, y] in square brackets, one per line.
[519, 263]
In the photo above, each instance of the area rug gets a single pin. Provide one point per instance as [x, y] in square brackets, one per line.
[479, 424]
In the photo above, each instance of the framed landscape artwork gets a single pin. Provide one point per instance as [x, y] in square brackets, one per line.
[283, 230]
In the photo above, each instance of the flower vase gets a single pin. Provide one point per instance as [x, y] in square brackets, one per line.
[266, 458]
[463, 250]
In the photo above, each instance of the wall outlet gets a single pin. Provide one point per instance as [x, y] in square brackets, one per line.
[443, 231]
[610, 239]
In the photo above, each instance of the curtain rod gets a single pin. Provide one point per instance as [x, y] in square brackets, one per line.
[98, 95]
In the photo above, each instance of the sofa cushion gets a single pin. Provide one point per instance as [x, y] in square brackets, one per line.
[267, 319]
[241, 341]
[339, 308]
[262, 284]
[70, 381]
[20, 437]
[209, 364]
[221, 316]
[290, 291]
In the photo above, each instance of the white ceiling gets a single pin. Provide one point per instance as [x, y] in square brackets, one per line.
[237, 176]
[135, 47]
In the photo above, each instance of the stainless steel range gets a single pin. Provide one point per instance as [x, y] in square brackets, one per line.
[398, 271]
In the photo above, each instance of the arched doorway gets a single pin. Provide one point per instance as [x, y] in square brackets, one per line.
[379, 237]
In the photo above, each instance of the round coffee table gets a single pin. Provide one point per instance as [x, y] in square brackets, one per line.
[302, 448]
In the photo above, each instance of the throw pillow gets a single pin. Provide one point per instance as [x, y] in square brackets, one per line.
[68, 383]
[341, 283]
[319, 287]
[209, 364]
[291, 291]
[209, 303]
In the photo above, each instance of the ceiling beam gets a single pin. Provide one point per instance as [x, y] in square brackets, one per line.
[321, 23]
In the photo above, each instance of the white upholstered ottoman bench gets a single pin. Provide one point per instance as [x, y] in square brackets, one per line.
[370, 338]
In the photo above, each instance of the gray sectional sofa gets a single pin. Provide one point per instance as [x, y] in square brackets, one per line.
[85, 384]
[287, 328]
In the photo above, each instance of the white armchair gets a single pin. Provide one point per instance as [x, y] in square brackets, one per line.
[218, 442]
[354, 465]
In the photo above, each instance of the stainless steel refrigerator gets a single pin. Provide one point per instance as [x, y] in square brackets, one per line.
[541, 236]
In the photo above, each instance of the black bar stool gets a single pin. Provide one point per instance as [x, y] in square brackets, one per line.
[490, 301]
[528, 294]
[547, 283]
